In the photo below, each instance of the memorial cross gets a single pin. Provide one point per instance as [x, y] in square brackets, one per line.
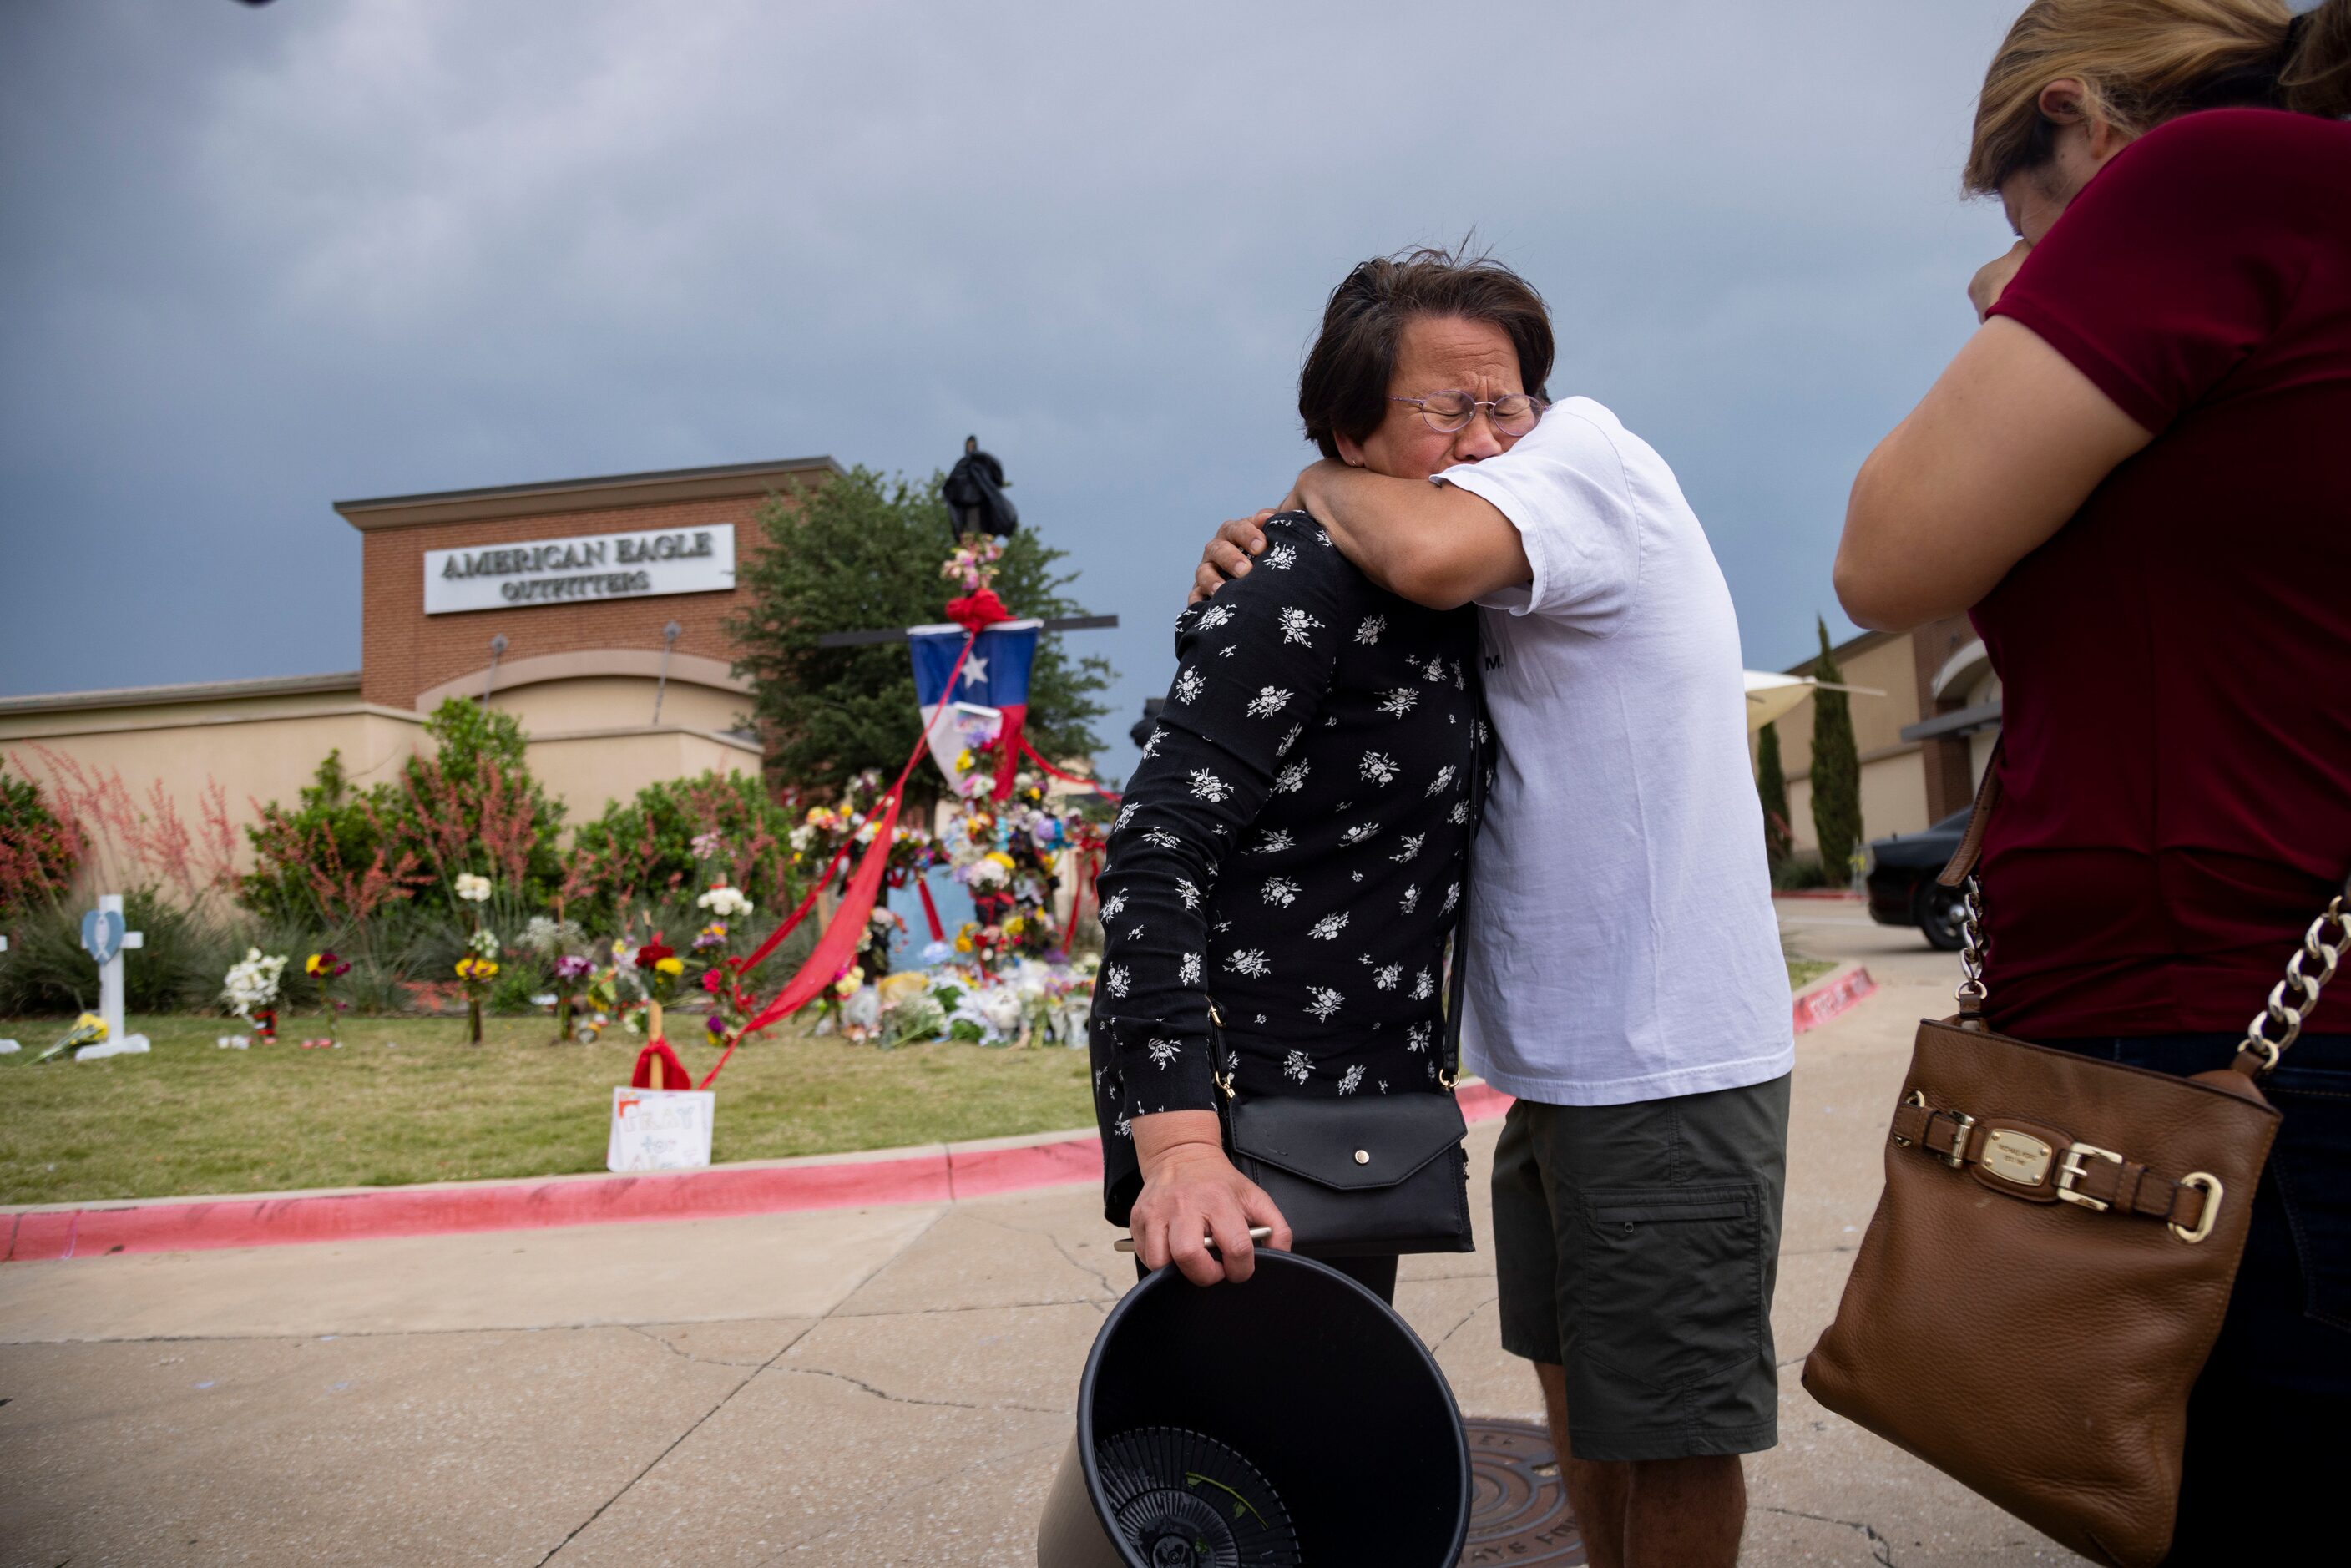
[105, 936]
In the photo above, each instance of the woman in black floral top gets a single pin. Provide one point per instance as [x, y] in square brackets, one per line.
[1293, 847]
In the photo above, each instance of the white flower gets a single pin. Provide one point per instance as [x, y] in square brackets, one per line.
[1125, 815]
[1187, 970]
[1187, 893]
[1297, 1066]
[1299, 627]
[473, 889]
[1281, 890]
[1369, 632]
[1436, 670]
[1151, 746]
[1460, 814]
[1388, 977]
[986, 874]
[1424, 986]
[1113, 906]
[1444, 777]
[802, 836]
[1164, 1052]
[724, 903]
[1213, 615]
[1290, 740]
[1121, 1128]
[1162, 839]
[1452, 897]
[1378, 766]
[1190, 684]
[1207, 786]
[1399, 701]
[251, 983]
[1411, 899]
[1291, 778]
[1272, 842]
[1247, 961]
[1352, 1079]
[1411, 843]
[1326, 1002]
[1115, 979]
[1281, 558]
[1416, 1036]
[1359, 833]
[1327, 929]
[1269, 701]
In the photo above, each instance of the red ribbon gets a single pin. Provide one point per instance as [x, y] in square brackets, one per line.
[930, 909]
[673, 1071]
[974, 613]
[1065, 778]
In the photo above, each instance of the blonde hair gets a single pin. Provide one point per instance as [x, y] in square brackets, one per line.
[2142, 62]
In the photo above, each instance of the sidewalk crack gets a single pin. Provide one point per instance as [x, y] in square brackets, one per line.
[656, 1462]
[1881, 1549]
[908, 1398]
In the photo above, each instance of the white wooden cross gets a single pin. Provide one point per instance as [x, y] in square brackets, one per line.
[105, 938]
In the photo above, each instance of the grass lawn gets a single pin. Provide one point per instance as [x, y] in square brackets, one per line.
[1802, 972]
[405, 1100]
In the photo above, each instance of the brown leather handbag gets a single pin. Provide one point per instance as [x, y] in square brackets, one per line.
[2054, 1249]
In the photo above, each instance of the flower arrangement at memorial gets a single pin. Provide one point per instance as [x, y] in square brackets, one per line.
[475, 970]
[326, 968]
[250, 989]
[88, 1030]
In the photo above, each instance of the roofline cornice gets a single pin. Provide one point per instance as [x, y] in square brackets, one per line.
[648, 489]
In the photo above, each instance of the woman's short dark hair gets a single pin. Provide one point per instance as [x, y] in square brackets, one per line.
[1344, 388]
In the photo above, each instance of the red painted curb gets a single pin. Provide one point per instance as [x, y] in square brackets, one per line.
[1816, 1004]
[717, 1193]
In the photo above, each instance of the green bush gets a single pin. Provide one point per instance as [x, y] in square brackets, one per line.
[185, 954]
[640, 856]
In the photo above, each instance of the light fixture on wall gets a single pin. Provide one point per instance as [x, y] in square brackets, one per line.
[670, 634]
[490, 681]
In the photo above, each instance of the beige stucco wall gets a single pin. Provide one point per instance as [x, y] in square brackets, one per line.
[1893, 779]
[253, 751]
[617, 702]
[590, 771]
[588, 746]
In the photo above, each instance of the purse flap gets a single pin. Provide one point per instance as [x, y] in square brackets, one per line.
[1351, 1144]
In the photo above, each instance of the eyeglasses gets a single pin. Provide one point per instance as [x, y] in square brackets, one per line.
[1514, 413]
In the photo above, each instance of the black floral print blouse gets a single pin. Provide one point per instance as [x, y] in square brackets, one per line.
[1293, 847]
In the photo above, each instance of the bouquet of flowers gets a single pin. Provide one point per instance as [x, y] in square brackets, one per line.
[477, 968]
[326, 968]
[658, 969]
[250, 988]
[570, 970]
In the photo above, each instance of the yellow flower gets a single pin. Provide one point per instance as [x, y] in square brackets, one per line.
[963, 761]
[963, 944]
[671, 965]
[313, 963]
[1015, 927]
[472, 968]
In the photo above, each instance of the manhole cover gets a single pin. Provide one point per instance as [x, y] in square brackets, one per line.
[1518, 1507]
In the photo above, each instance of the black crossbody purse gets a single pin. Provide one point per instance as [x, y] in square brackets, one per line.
[1365, 1177]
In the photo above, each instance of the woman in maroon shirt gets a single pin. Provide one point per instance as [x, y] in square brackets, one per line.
[2137, 476]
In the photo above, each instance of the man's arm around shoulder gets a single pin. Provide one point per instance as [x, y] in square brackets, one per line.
[1437, 545]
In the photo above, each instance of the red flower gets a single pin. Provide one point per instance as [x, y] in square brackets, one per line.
[654, 952]
[713, 981]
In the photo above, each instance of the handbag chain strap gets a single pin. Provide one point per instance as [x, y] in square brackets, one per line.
[2277, 1026]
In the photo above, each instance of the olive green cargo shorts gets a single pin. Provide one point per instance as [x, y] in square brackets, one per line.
[1637, 1246]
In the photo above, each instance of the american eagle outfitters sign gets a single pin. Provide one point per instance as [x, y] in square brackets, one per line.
[590, 566]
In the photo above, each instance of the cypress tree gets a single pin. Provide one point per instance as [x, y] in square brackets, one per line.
[1837, 769]
[1772, 785]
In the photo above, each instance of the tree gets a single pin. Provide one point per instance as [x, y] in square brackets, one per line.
[1771, 786]
[1837, 767]
[861, 552]
[38, 852]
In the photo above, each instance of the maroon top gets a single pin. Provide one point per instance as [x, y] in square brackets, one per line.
[2176, 662]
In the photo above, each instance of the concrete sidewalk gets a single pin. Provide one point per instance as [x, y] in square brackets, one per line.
[875, 1386]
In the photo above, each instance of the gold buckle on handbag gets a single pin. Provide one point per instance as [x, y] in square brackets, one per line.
[2068, 1171]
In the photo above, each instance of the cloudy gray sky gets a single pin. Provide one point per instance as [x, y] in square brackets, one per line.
[253, 261]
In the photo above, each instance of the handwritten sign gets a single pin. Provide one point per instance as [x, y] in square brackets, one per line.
[660, 1129]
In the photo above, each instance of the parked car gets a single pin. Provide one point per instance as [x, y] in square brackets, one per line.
[1902, 886]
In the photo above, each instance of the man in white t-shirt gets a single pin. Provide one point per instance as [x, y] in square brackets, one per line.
[1626, 979]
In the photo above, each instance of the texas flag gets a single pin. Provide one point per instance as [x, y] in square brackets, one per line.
[990, 700]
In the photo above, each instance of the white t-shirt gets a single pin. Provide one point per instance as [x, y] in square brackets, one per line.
[1622, 943]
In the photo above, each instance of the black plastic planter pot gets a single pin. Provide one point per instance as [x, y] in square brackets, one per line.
[1292, 1421]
